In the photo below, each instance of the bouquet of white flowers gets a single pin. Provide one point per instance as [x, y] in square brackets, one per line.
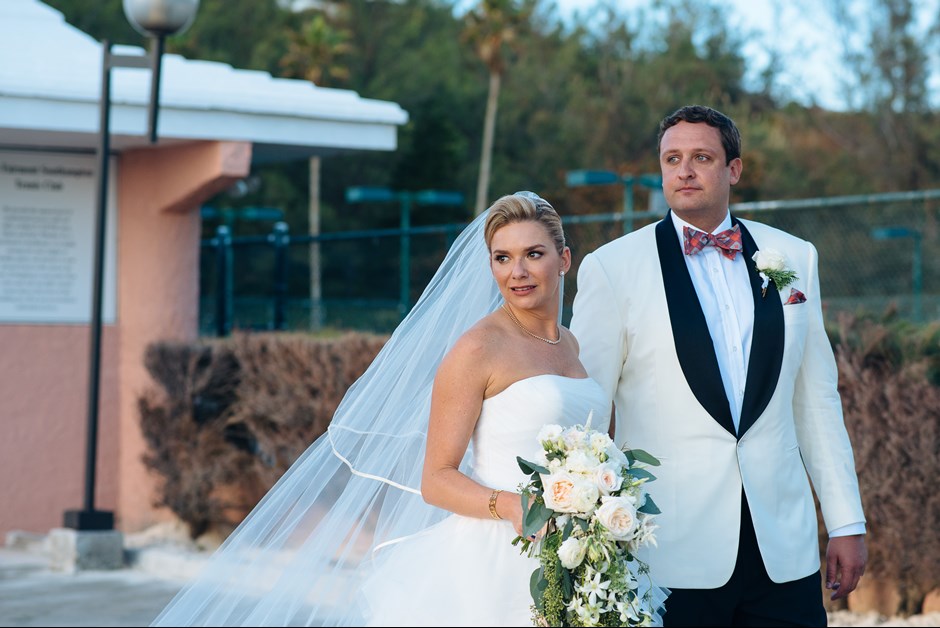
[587, 498]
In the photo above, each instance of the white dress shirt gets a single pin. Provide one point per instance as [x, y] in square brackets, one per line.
[724, 292]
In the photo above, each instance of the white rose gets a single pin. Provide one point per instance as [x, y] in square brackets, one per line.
[549, 433]
[555, 465]
[559, 492]
[769, 259]
[608, 478]
[581, 462]
[586, 495]
[619, 517]
[571, 553]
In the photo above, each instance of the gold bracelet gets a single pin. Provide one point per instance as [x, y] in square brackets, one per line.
[493, 497]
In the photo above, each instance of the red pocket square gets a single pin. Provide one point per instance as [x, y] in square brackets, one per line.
[795, 297]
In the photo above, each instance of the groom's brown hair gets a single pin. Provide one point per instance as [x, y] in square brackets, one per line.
[730, 136]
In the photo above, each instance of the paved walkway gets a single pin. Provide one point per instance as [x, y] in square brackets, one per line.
[33, 595]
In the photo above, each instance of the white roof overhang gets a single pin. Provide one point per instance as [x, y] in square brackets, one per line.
[50, 87]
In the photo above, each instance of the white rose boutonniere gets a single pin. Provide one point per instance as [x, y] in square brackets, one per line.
[772, 266]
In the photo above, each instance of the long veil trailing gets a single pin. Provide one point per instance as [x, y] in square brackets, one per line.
[300, 556]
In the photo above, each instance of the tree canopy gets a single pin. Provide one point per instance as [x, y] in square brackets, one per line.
[579, 95]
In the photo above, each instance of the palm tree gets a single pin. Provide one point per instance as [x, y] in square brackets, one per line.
[316, 51]
[492, 28]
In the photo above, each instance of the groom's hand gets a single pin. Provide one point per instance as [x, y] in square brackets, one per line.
[845, 563]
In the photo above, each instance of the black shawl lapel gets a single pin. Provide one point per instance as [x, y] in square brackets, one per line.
[763, 367]
[694, 345]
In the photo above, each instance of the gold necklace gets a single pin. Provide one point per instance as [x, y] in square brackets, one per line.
[513, 318]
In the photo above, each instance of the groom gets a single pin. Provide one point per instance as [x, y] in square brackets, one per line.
[732, 386]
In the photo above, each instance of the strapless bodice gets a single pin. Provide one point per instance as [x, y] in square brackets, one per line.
[448, 568]
[510, 422]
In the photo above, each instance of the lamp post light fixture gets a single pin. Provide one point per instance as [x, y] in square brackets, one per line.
[654, 182]
[917, 274]
[406, 199]
[157, 19]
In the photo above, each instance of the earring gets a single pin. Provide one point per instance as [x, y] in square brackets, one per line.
[561, 273]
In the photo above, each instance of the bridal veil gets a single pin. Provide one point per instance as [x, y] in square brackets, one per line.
[300, 556]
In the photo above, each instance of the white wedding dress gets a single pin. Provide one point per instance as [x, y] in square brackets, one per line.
[464, 571]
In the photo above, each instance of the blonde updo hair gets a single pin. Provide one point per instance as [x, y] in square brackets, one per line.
[522, 207]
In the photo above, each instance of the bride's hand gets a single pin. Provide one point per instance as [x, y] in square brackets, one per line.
[509, 507]
[512, 510]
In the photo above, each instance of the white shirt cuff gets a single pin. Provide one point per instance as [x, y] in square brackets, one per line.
[849, 530]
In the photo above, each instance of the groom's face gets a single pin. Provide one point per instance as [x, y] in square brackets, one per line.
[696, 180]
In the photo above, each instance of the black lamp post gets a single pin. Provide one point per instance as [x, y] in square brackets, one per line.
[156, 19]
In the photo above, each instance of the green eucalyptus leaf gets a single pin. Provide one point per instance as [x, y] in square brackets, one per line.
[649, 507]
[641, 474]
[536, 518]
[567, 585]
[642, 456]
[569, 528]
[537, 586]
[530, 467]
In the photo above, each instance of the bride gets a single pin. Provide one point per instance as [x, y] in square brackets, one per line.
[404, 511]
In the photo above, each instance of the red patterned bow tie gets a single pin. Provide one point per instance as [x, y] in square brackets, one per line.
[728, 241]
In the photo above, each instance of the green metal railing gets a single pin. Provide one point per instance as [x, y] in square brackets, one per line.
[875, 251]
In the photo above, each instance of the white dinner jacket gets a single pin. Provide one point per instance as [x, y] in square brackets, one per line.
[644, 338]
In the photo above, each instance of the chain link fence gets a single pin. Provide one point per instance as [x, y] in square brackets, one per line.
[877, 253]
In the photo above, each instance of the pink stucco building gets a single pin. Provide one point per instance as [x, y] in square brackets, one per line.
[214, 120]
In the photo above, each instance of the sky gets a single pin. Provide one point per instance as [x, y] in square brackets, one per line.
[802, 30]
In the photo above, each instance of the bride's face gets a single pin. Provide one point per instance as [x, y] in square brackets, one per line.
[526, 265]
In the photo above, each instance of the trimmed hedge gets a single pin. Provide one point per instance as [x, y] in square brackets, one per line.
[888, 376]
[228, 417]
